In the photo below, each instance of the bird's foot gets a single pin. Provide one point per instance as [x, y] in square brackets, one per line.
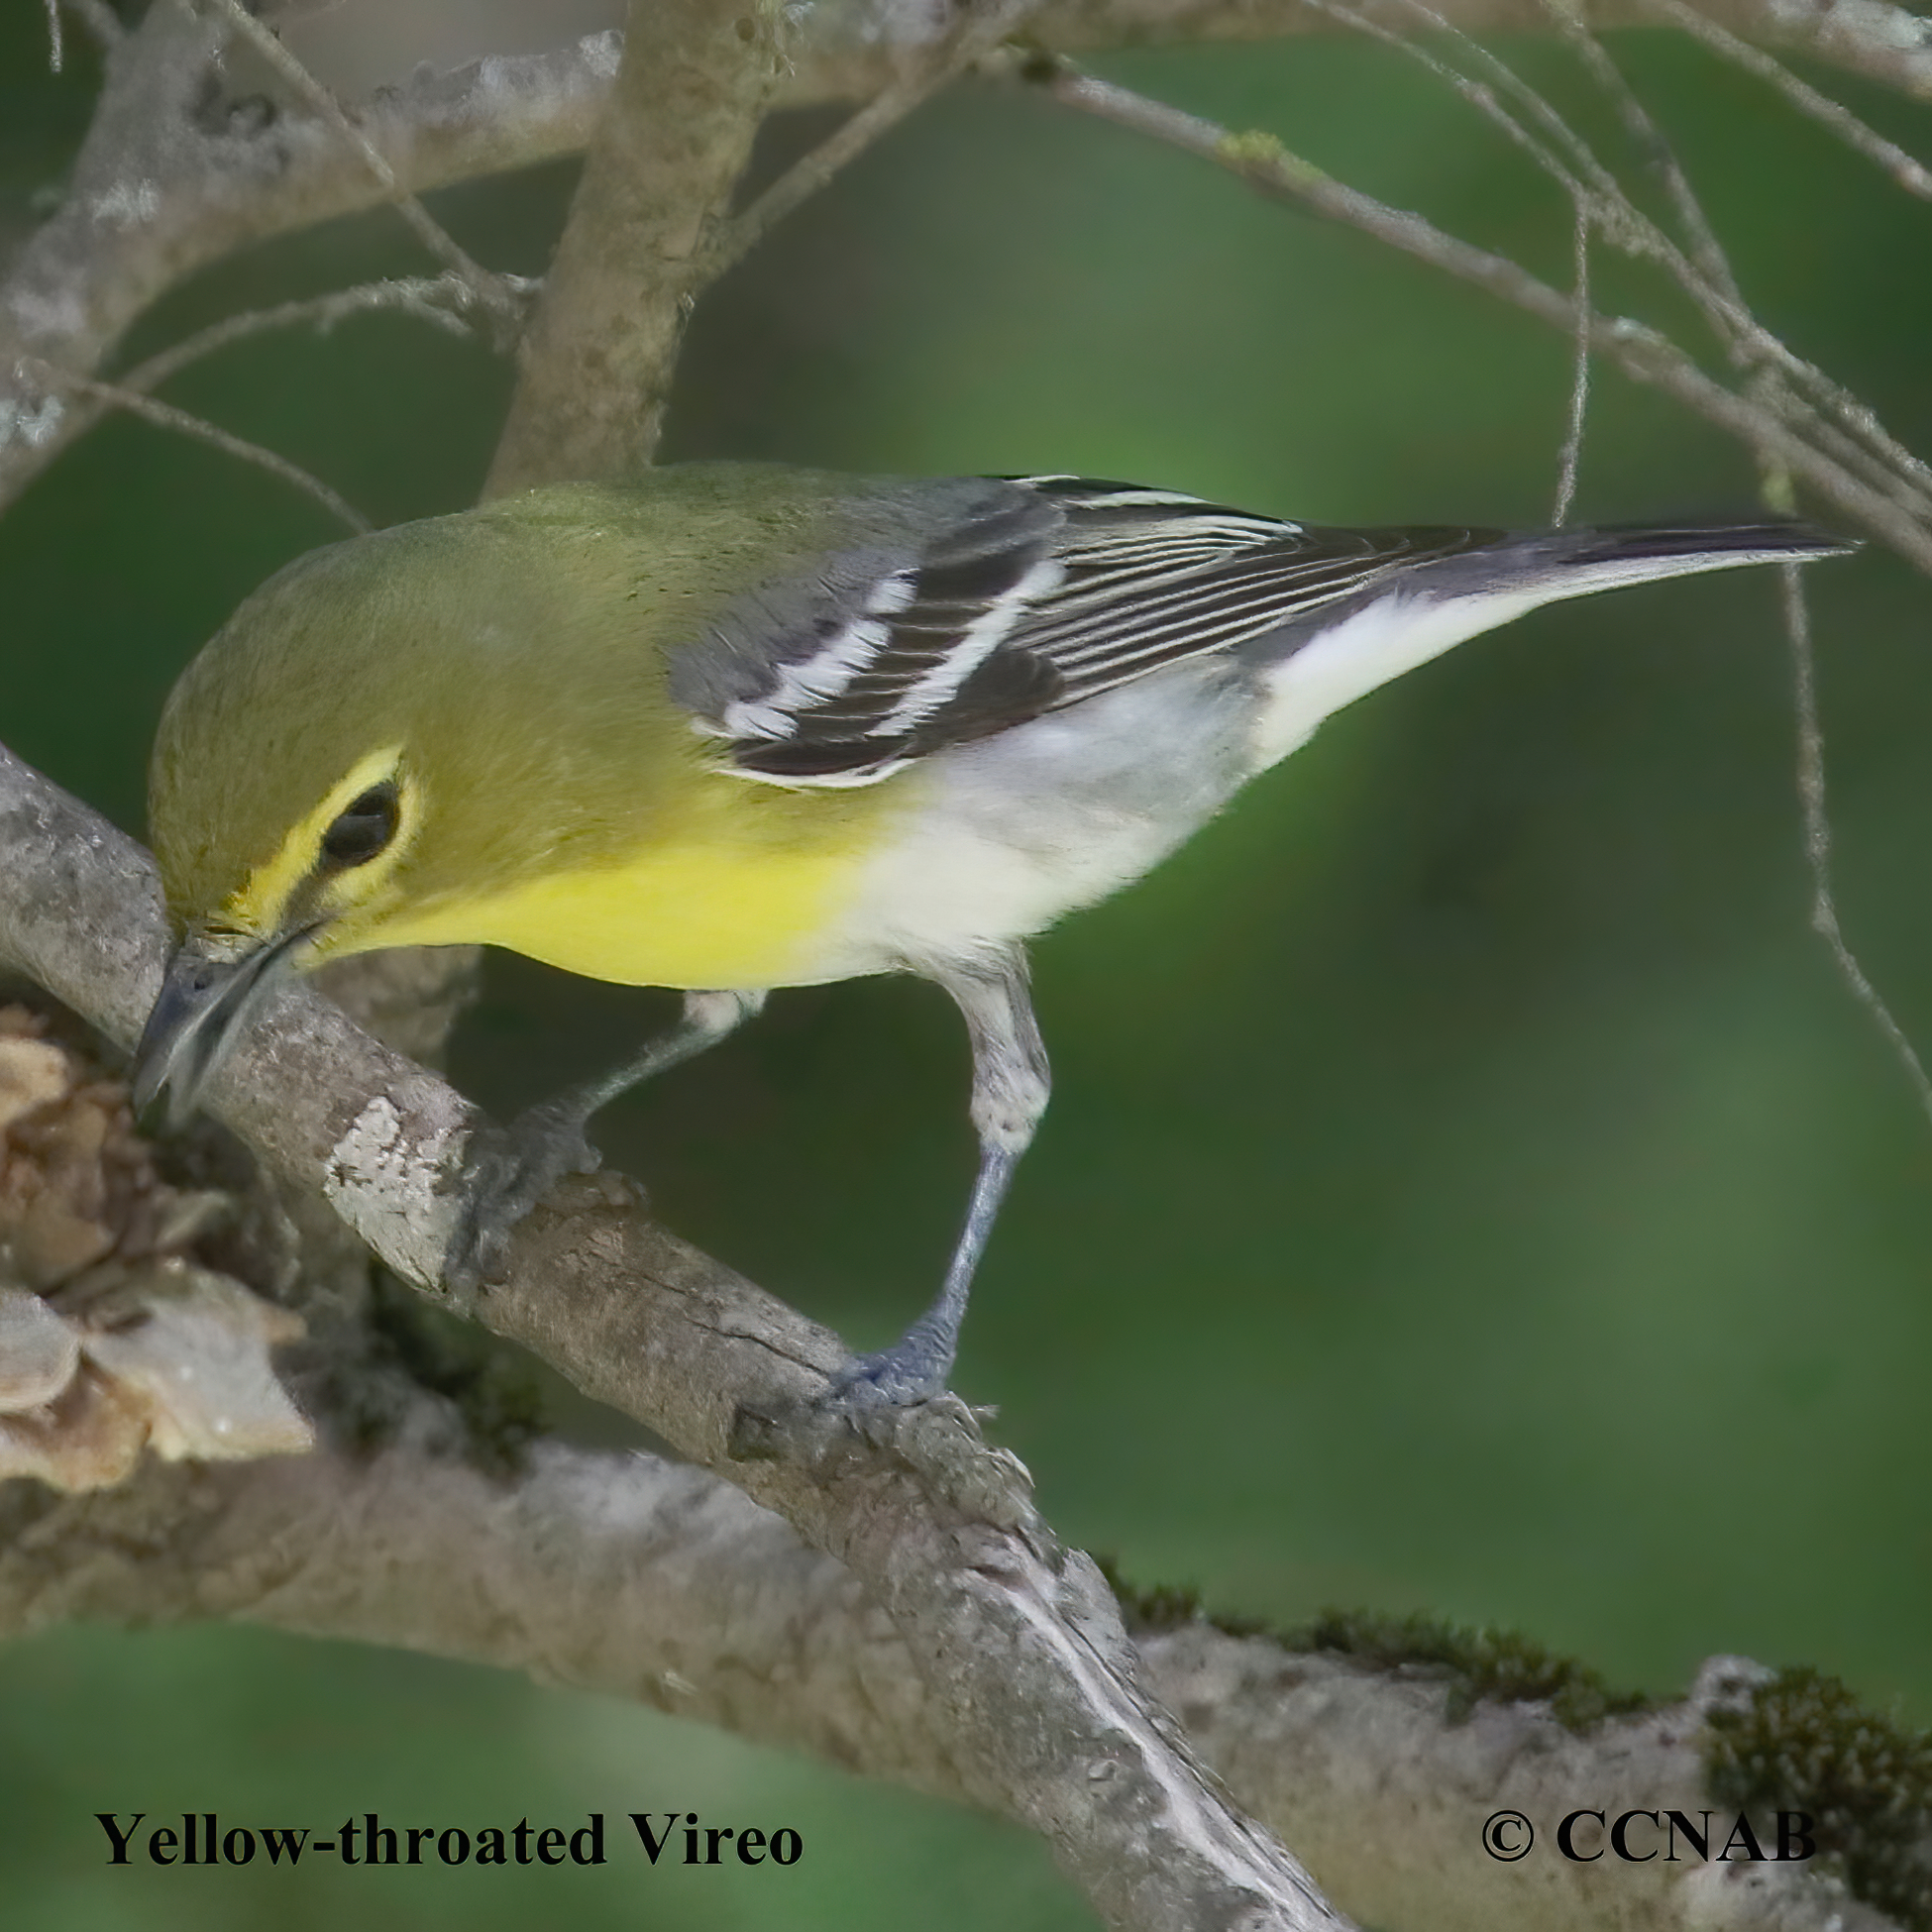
[914, 1369]
[505, 1172]
[936, 1437]
[897, 1403]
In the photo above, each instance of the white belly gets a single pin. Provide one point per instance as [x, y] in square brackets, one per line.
[1018, 830]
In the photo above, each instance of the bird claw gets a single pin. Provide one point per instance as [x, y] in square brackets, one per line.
[914, 1369]
[506, 1172]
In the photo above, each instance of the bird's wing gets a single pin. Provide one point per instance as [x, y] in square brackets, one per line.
[991, 602]
[1149, 578]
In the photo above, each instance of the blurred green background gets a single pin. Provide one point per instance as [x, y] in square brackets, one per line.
[1468, 1185]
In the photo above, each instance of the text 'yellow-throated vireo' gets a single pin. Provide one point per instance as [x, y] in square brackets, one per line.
[730, 726]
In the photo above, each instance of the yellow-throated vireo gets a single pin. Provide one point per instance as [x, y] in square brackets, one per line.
[733, 726]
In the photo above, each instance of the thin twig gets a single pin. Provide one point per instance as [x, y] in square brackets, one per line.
[1569, 178]
[1857, 439]
[1754, 344]
[1616, 215]
[166, 416]
[1266, 165]
[1909, 174]
[56, 53]
[974, 38]
[1270, 168]
[1586, 179]
[1817, 832]
[491, 290]
[1704, 274]
[1579, 380]
[436, 299]
[1706, 251]
[1603, 199]
[1585, 176]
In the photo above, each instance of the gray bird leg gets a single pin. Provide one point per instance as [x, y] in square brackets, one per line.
[508, 1170]
[1009, 1090]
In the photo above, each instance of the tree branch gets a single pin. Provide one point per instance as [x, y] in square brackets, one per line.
[696, 78]
[487, 290]
[856, 45]
[641, 1578]
[1016, 1640]
[975, 35]
[171, 178]
[164, 415]
[1792, 441]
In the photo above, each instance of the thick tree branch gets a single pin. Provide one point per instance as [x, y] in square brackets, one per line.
[656, 1583]
[621, 1573]
[696, 78]
[173, 176]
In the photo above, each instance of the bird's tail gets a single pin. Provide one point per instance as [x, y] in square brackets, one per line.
[1581, 561]
[1342, 653]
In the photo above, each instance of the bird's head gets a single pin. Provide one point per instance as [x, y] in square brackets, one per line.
[288, 798]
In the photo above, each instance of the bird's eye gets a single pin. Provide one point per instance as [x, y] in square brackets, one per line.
[362, 829]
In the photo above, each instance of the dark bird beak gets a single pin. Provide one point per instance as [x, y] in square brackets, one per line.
[205, 1005]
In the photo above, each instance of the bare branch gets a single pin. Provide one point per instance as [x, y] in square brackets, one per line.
[1581, 162]
[626, 1574]
[1321, 1745]
[1909, 174]
[490, 293]
[1705, 250]
[1704, 273]
[696, 78]
[975, 35]
[854, 45]
[1571, 456]
[660, 1583]
[439, 300]
[1639, 352]
[168, 182]
[164, 415]
[1013, 1654]
[1818, 841]
[1016, 1640]
[1850, 433]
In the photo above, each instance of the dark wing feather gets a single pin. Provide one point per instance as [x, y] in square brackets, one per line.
[833, 681]
[977, 605]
